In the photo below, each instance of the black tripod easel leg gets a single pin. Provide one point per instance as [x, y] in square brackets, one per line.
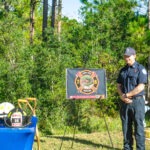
[75, 120]
[74, 130]
[63, 137]
[106, 125]
[73, 136]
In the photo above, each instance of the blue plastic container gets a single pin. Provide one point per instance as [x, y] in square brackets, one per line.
[18, 138]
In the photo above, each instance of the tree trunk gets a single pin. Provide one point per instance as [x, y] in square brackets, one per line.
[59, 17]
[32, 8]
[149, 14]
[45, 17]
[53, 19]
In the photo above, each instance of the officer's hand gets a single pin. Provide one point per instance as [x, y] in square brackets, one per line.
[125, 99]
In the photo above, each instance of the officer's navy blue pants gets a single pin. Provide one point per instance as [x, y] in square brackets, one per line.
[133, 114]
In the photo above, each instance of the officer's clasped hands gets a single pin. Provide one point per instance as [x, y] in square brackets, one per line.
[125, 99]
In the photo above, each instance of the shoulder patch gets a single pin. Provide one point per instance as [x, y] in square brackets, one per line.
[144, 71]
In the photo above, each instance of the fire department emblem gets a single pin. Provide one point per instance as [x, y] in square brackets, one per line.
[86, 82]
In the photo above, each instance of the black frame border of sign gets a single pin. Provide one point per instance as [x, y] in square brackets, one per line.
[86, 83]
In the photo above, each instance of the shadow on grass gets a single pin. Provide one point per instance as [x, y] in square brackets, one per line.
[86, 142]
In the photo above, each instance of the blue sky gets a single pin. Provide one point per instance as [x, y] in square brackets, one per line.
[70, 8]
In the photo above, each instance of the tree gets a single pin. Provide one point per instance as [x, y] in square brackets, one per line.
[53, 17]
[45, 17]
[59, 17]
[149, 14]
[32, 9]
[56, 16]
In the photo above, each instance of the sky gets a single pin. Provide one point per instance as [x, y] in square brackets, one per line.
[142, 8]
[70, 8]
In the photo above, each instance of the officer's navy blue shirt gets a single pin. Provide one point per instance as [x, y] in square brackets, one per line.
[130, 76]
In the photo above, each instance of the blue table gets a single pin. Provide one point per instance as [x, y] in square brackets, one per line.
[18, 138]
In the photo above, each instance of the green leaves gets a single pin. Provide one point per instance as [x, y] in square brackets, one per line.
[107, 28]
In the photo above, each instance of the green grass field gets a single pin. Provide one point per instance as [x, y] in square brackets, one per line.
[93, 141]
[99, 140]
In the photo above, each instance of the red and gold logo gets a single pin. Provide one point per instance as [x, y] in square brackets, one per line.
[86, 82]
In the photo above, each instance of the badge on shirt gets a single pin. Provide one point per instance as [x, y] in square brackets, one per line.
[144, 71]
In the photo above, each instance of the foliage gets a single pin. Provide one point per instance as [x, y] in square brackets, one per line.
[38, 70]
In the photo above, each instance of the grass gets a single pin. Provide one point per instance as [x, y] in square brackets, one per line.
[99, 140]
[93, 141]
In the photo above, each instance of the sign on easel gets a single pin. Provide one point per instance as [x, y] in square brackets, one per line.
[85, 83]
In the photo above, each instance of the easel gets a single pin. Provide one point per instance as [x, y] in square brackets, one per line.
[78, 110]
[31, 103]
[74, 128]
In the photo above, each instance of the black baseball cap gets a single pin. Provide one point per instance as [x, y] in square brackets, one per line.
[129, 51]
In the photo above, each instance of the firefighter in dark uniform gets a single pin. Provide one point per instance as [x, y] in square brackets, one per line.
[130, 85]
